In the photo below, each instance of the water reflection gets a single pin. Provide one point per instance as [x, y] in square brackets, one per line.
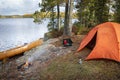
[16, 32]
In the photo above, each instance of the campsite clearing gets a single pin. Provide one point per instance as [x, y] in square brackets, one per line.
[63, 67]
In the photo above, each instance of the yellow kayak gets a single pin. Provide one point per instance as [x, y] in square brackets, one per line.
[20, 49]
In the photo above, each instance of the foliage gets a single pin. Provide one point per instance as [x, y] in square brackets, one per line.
[101, 11]
[79, 29]
[48, 7]
[39, 16]
[89, 12]
[28, 15]
[17, 16]
[92, 12]
[54, 33]
[117, 11]
[85, 9]
[43, 15]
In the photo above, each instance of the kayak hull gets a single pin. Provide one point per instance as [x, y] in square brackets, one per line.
[20, 49]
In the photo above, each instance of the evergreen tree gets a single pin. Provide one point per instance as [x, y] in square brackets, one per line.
[48, 7]
[85, 12]
[101, 11]
[117, 11]
[92, 12]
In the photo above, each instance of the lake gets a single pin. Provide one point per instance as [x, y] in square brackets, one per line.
[18, 31]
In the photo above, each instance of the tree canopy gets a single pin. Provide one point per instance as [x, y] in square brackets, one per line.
[89, 12]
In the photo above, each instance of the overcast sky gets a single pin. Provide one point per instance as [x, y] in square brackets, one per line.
[14, 7]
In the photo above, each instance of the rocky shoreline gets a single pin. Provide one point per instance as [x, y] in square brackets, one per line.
[39, 57]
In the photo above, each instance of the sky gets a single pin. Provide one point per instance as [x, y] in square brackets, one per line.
[18, 7]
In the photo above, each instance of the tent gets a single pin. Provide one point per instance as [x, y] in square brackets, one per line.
[104, 39]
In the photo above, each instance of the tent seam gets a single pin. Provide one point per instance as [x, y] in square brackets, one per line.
[117, 40]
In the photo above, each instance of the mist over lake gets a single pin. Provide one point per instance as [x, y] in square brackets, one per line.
[18, 31]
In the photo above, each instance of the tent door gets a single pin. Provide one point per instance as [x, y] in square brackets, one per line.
[92, 43]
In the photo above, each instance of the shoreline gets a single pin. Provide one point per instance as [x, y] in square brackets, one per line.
[20, 49]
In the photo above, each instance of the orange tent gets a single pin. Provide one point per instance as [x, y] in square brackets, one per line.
[104, 39]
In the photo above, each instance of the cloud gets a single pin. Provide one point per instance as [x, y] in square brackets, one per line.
[12, 7]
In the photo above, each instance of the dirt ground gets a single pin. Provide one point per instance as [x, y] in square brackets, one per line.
[9, 67]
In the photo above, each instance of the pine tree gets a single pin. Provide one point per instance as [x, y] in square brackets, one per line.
[48, 7]
[85, 12]
[101, 11]
[117, 11]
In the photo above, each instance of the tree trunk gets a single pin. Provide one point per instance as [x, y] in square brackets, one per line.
[66, 19]
[70, 17]
[58, 17]
[53, 26]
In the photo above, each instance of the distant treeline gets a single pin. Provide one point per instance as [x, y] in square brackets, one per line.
[17, 16]
[48, 14]
[39, 14]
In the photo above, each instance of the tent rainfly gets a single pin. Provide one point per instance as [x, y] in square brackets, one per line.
[104, 39]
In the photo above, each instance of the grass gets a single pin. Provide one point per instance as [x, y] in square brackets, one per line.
[67, 67]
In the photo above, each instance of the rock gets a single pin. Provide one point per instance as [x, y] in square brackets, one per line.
[47, 36]
[39, 52]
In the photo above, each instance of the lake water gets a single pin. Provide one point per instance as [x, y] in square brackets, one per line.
[16, 32]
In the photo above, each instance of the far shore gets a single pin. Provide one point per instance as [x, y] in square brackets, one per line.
[17, 16]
